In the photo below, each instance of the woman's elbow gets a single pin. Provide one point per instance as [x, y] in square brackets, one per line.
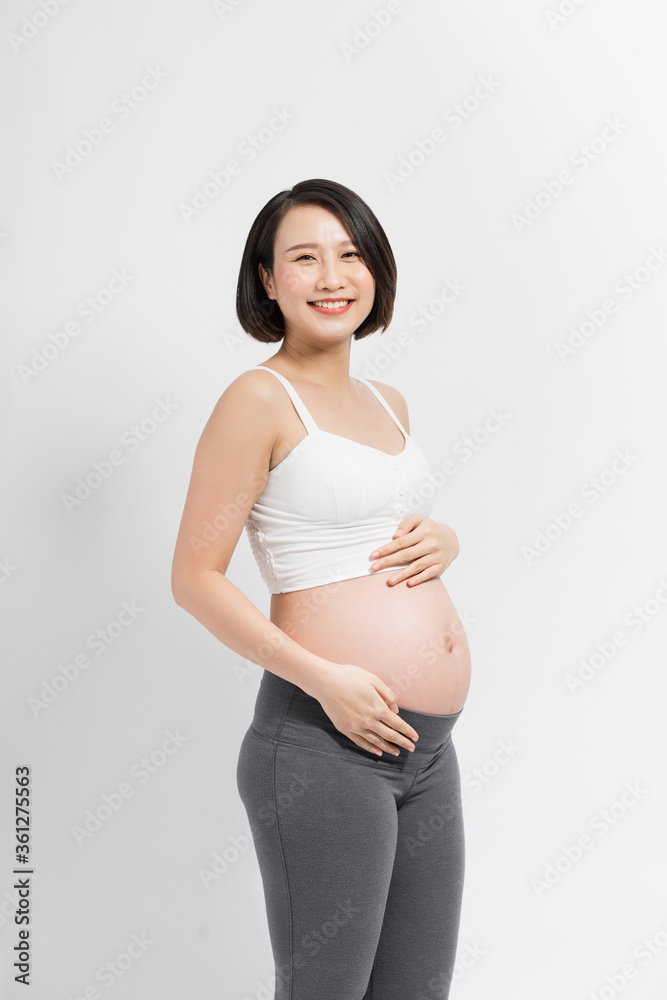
[185, 584]
[181, 584]
[177, 591]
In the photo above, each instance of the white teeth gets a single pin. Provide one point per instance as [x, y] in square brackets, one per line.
[333, 305]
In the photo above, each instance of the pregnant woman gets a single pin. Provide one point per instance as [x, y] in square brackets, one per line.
[348, 772]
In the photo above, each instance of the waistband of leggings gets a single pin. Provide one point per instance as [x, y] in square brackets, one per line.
[283, 708]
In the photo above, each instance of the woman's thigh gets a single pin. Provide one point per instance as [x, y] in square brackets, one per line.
[417, 947]
[325, 831]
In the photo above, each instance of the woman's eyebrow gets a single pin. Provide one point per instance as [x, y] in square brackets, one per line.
[316, 246]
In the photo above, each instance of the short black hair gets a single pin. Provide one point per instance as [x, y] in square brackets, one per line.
[261, 316]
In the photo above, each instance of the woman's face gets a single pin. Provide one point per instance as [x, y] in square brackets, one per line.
[329, 268]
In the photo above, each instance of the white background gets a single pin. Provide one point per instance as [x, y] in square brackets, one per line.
[360, 98]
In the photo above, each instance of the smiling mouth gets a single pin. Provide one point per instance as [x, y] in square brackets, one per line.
[333, 305]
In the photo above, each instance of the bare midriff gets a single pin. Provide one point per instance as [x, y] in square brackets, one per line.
[410, 637]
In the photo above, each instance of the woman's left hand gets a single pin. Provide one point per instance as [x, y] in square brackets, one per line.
[427, 545]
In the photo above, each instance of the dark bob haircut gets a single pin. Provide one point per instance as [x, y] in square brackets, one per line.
[259, 315]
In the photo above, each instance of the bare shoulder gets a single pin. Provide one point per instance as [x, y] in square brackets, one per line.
[243, 425]
[251, 400]
[395, 400]
[252, 388]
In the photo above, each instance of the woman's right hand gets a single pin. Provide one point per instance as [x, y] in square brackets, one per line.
[363, 708]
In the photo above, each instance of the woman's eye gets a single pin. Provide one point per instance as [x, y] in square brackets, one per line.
[348, 252]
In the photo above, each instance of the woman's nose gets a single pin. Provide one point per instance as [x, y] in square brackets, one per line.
[330, 276]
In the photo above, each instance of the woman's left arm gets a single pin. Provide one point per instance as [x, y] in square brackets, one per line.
[427, 545]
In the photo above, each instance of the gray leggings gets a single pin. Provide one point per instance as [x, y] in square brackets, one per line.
[361, 857]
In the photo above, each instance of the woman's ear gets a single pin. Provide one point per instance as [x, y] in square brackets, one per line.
[267, 281]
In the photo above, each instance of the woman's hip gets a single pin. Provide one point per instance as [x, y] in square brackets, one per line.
[286, 715]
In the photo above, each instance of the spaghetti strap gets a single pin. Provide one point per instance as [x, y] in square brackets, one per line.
[299, 405]
[386, 405]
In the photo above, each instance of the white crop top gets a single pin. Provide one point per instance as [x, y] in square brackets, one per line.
[331, 502]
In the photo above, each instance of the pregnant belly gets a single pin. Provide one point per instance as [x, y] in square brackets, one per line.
[411, 637]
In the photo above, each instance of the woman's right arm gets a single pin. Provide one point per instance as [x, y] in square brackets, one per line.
[229, 472]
